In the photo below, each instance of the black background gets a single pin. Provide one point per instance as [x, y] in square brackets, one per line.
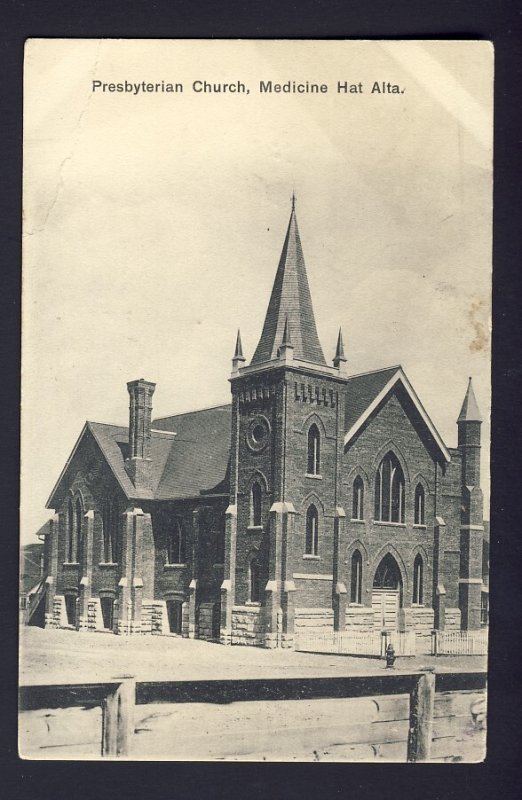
[498, 21]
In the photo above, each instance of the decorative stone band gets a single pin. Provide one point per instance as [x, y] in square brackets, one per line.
[472, 527]
[312, 577]
[470, 580]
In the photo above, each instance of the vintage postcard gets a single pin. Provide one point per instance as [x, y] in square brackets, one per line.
[256, 400]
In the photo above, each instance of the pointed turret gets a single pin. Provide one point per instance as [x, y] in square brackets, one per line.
[469, 423]
[238, 357]
[287, 348]
[470, 410]
[291, 305]
[339, 359]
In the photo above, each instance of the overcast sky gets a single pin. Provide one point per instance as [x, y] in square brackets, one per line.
[154, 223]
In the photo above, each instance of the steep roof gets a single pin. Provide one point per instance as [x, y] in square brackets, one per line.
[290, 299]
[366, 392]
[198, 459]
[189, 454]
[470, 410]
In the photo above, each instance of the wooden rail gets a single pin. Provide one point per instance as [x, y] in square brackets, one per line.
[119, 696]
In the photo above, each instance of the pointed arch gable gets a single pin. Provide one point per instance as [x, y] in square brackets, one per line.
[396, 450]
[260, 477]
[390, 549]
[419, 478]
[310, 420]
[312, 497]
[354, 545]
[419, 550]
[352, 474]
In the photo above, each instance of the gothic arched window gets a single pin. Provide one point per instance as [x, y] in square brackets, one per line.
[111, 521]
[420, 513]
[255, 505]
[312, 531]
[389, 490]
[418, 580]
[255, 581]
[356, 578]
[78, 514]
[220, 544]
[70, 532]
[358, 499]
[176, 544]
[314, 451]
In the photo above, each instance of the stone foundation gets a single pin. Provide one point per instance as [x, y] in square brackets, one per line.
[359, 618]
[248, 626]
[154, 619]
[452, 622]
[313, 620]
[421, 620]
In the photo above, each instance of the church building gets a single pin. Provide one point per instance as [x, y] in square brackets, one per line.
[314, 500]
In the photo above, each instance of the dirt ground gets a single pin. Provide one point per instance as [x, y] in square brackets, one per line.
[302, 730]
[67, 656]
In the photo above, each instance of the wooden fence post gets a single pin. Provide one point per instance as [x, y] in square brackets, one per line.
[118, 719]
[422, 699]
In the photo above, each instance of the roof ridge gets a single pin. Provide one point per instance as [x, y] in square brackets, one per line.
[194, 411]
[374, 371]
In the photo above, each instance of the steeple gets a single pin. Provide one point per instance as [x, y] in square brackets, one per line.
[238, 357]
[339, 359]
[290, 305]
[470, 410]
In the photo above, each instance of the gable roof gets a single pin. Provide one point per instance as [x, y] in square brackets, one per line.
[365, 393]
[290, 299]
[189, 454]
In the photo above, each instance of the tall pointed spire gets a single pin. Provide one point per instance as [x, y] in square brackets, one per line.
[287, 341]
[238, 353]
[339, 358]
[238, 357]
[470, 410]
[291, 303]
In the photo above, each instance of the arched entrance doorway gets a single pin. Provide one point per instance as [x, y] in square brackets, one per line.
[387, 593]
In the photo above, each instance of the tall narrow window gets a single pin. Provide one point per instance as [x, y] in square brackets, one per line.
[255, 581]
[389, 490]
[312, 531]
[418, 579]
[314, 451]
[70, 532]
[255, 504]
[356, 578]
[220, 545]
[176, 544]
[111, 526]
[358, 499]
[78, 514]
[420, 515]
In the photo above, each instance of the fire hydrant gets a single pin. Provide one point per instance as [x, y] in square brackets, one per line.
[390, 656]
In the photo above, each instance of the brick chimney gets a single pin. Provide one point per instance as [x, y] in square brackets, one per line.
[138, 463]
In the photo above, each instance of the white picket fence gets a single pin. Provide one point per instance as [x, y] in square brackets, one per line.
[374, 643]
[460, 643]
[357, 643]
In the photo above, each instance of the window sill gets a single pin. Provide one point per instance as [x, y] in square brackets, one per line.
[390, 524]
[423, 527]
[311, 557]
[71, 563]
[315, 477]
[253, 603]
[175, 566]
[417, 605]
[108, 564]
[254, 528]
[358, 520]
[356, 605]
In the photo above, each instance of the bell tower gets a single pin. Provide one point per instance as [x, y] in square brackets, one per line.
[285, 390]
